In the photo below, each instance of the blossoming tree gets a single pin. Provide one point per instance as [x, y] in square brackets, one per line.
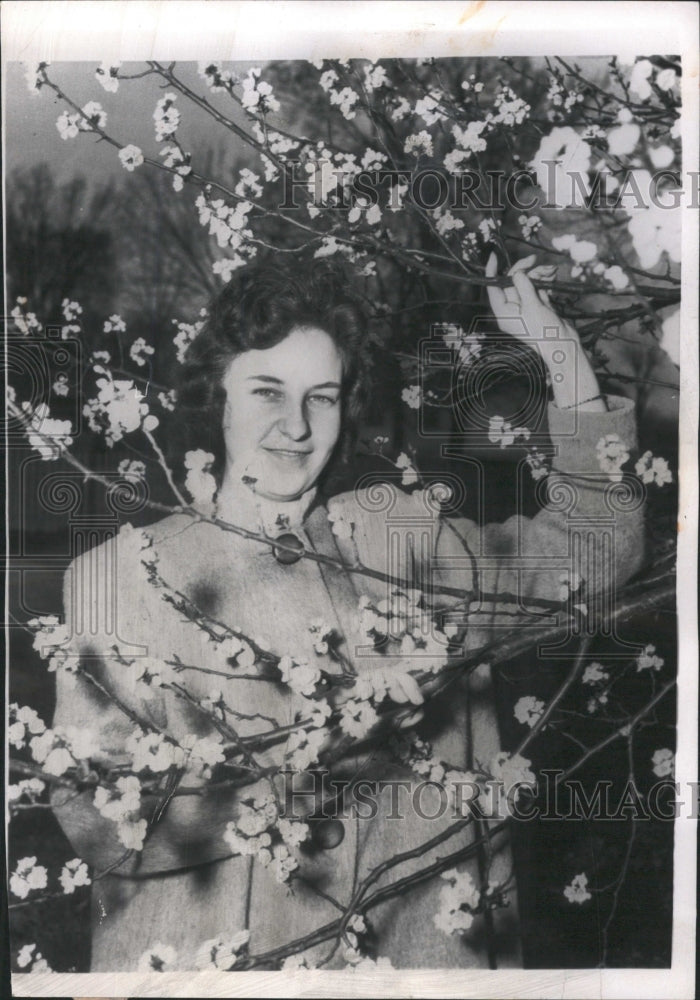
[416, 172]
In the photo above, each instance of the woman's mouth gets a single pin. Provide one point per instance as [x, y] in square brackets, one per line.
[288, 454]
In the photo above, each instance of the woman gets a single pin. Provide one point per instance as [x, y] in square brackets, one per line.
[279, 369]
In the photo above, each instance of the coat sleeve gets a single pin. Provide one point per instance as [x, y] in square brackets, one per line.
[107, 606]
[590, 527]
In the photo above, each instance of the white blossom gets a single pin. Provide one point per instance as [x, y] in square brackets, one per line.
[107, 74]
[420, 143]
[67, 125]
[639, 79]
[32, 960]
[131, 157]
[301, 676]
[93, 118]
[666, 79]
[577, 891]
[563, 155]
[132, 469]
[501, 432]
[647, 659]
[220, 953]
[303, 747]
[612, 454]
[74, 874]
[653, 470]
[663, 761]
[616, 276]
[412, 396]
[257, 95]
[166, 117]
[357, 717]
[409, 474]
[457, 901]
[27, 876]
[594, 673]
[140, 351]
[118, 409]
[46, 435]
[528, 710]
[152, 751]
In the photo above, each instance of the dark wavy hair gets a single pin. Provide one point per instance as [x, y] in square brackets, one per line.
[257, 309]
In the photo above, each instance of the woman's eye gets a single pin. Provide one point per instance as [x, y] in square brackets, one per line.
[320, 399]
[266, 393]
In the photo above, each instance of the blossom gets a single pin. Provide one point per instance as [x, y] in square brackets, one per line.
[221, 952]
[186, 333]
[73, 874]
[528, 710]
[131, 157]
[639, 79]
[33, 788]
[411, 396]
[303, 748]
[35, 76]
[653, 470]
[115, 324]
[132, 833]
[577, 891]
[121, 802]
[158, 958]
[345, 100]
[421, 142]
[470, 139]
[67, 125]
[132, 469]
[579, 250]
[428, 108]
[216, 78]
[61, 386]
[152, 751]
[93, 118]
[458, 899]
[612, 454]
[666, 79]
[409, 474]
[47, 436]
[257, 95]
[501, 432]
[663, 761]
[671, 336]
[107, 74]
[293, 833]
[199, 481]
[317, 710]
[168, 399]
[166, 116]
[570, 583]
[27, 876]
[562, 156]
[357, 717]
[280, 862]
[139, 351]
[647, 660]
[118, 409]
[32, 960]
[623, 139]
[301, 676]
[594, 674]
[340, 525]
[616, 276]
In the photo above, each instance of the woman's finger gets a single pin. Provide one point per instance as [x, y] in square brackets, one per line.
[496, 297]
[523, 265]
[526, 290]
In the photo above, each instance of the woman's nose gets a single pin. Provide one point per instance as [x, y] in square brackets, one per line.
[294, 423]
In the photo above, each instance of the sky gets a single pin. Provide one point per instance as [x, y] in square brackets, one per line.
[30, 119]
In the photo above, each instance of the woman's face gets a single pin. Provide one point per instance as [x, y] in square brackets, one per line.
[282, 413]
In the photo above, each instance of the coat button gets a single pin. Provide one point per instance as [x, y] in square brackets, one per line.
[291, 541]
[327, 833]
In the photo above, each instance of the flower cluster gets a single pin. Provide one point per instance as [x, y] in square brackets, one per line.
[502, 433]
[118, 409]
[459, 899]
[577, 891]
[46, 435]
[612, 454]
[166, 117]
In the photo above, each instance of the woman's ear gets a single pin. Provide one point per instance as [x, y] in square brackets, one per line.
[226, 419]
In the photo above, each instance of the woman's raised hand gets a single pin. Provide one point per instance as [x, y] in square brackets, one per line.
[519, 309]
[526, 314]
